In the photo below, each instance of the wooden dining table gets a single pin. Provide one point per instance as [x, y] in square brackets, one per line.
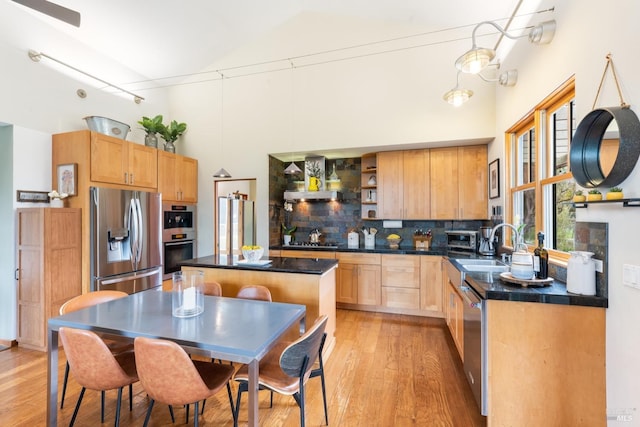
[230, 329]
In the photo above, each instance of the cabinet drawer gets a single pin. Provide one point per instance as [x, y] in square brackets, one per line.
[358, 258]
[400, 297]
[402, 271]
[307, 254]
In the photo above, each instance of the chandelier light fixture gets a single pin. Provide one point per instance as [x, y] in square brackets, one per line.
[292, 169]
[478, 58]
[222, 173]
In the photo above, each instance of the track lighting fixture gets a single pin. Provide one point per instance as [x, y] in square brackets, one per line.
[458, 95]
[478, 58]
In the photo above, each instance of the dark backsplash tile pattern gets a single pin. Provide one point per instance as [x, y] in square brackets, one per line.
[335, 219]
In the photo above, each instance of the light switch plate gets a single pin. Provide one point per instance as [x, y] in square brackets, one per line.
[631, 275]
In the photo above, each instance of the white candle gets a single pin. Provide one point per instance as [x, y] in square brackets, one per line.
[189, 298]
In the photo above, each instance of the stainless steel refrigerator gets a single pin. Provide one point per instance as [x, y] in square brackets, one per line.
[126, 240]
[236, 225]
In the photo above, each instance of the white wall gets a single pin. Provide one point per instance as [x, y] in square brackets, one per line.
[371, 101]
[7, 264]
[587, 32]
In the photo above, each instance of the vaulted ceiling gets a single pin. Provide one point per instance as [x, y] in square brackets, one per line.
[161, 38]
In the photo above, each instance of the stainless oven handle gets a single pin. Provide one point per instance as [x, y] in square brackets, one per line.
[181, 242]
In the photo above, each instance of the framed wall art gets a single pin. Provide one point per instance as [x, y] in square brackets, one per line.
[494, 179]
[32, 196]
[68, 179]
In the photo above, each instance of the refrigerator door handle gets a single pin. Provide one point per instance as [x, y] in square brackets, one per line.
[139, 231]
[133, 234]
[152, 272]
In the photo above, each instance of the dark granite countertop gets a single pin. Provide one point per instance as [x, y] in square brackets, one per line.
[491, 287]
[402, 250]
[277, 264]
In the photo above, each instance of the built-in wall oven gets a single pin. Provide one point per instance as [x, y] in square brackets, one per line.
[178, 236]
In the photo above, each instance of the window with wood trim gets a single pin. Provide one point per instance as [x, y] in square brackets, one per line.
[539, 182]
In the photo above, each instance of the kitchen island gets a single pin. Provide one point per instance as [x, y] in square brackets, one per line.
[311, 282]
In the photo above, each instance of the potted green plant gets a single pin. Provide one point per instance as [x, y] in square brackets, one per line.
[171, 133]
[594, 195]
[288, 233]
[578, 196]
[615, 193]
[151, 126]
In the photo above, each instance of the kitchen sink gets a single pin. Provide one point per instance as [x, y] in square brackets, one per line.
[483, 265]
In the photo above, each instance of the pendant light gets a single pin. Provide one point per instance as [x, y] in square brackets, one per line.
[221, 173]
[292, 169]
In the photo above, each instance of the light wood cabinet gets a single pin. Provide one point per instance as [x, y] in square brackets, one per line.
[459, 182]
[453, 311]
[400, 280]
[431, 283]
[312, 254]
[116, 161]
[561, 351]
[403, 183]
[48, 257]
[358, 279]
[390, 182]
[177, 177]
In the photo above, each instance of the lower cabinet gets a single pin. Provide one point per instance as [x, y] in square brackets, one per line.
[48, 258]
[400, 279]
[358, 279]
[455, 317]
[431, 284]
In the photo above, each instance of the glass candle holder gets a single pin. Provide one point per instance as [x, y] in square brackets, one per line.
[187, 293]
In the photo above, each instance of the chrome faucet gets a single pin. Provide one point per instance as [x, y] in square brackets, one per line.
[519, 238]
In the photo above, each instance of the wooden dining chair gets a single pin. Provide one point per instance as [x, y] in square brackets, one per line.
[255, 292]
[169, 376]
[287, 372]
[94, 367]
[116, 347]
[213, 289]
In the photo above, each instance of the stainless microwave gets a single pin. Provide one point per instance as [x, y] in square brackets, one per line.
[462, 240]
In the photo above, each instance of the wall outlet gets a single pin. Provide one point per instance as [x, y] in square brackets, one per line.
[599, 265]
[392, 224]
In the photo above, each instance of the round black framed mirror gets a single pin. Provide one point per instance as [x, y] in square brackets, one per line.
[597, 160]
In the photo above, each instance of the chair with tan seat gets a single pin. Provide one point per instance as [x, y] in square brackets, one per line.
[169, 376]
[255, 292]
[117, 347]
[94, 366]
[213, 289]
[288, 371]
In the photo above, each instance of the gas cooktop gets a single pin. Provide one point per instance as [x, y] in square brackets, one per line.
[315, 245]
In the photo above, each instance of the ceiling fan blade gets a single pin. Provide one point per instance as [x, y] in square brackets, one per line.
[54, 10]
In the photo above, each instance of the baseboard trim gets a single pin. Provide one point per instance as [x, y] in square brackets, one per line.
[8, 343]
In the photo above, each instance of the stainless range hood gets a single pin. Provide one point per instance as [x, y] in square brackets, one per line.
[312, 196]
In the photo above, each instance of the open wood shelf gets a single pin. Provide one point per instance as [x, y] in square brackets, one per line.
[627, 203]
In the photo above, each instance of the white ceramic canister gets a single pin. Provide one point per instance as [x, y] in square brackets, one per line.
[581, 273]
[522, 265]
[353, 240]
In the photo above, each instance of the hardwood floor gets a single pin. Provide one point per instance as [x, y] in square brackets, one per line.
[386, 370]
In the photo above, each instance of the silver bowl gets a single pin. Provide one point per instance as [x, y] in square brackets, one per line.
[107, 126]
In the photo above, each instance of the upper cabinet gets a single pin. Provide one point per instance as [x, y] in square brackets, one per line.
[403, 184]
[116, 161]
[177, 177]
[459, 182]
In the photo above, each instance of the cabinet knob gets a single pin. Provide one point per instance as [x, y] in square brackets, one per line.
[131, 179]
[125, 178]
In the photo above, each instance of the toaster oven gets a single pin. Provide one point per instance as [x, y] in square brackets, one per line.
[462, 240]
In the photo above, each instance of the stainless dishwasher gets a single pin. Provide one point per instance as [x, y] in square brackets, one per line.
[475, 344]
